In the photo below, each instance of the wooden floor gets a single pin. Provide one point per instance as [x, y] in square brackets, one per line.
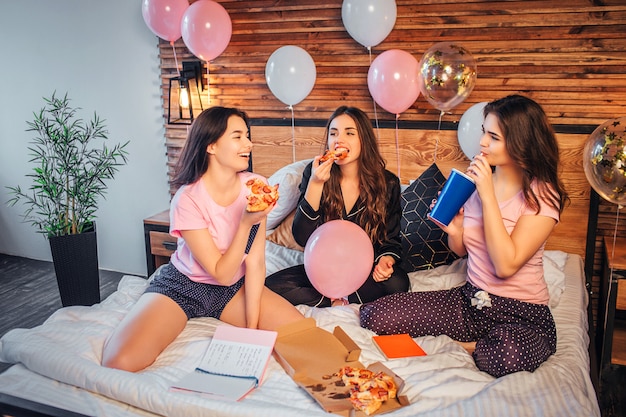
[29, 292]
[29, 295]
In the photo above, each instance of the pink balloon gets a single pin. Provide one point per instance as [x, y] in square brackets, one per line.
[338, 258]
[163, 17]
[393, 80]
[206, 29]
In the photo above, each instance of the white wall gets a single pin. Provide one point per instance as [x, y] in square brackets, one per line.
[106, 58]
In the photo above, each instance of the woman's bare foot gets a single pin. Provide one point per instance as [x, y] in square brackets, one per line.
[339, 302]
[469, 346]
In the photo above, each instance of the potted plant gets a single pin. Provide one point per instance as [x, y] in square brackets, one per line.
[68, 178]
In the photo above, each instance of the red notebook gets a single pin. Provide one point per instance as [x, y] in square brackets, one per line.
[398, 346]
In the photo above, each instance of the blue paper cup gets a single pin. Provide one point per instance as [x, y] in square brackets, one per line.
[455, 192]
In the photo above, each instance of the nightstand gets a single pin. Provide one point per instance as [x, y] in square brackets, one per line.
[159, 243]
[611, 335]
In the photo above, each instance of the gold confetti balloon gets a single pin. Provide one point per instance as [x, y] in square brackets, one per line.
[448, 75]
[604, 160]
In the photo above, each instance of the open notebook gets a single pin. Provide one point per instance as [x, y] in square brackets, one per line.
[233, 364]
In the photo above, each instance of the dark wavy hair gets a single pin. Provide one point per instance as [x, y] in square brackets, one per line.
[205, 130]
[531, 142]
[373, 186]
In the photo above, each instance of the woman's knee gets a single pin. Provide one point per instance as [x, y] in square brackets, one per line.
[506, 351]
[398, 282]
[386, 315]
[121, 362]
[124, 360]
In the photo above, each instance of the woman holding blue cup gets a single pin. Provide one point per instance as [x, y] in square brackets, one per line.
[455, 192]
[501, 313]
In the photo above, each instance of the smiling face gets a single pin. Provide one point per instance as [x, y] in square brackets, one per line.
[493, 142]
[234, 146]
[343, 134]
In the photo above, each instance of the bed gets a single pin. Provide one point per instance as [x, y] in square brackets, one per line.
[57, 363]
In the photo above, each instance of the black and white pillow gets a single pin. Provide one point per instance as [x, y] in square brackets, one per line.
[424, 243]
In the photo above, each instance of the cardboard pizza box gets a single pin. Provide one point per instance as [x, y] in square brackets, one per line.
[312, 357]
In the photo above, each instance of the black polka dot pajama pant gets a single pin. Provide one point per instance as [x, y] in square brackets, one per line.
[510, 335]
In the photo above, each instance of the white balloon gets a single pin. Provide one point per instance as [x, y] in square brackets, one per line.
[369, 22]
[290, 74]
[471, 129]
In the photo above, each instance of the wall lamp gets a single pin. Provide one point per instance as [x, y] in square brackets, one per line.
[184, 94]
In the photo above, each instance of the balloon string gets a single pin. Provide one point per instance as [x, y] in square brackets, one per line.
[610, 284]
[437, 139]
[397, 145]
[208, 85]
[175, 57]
[369, 50]
[293, 134]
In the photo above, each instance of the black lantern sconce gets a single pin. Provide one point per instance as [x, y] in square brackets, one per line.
[184, 95]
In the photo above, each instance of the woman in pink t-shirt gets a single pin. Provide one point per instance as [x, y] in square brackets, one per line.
[221, 249]
[502, 309]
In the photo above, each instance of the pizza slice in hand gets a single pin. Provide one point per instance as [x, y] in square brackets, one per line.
[261, 195]
[339, 153]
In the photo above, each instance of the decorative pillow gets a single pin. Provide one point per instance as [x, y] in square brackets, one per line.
[442, 277]
[282, 235]
[424, 243]
[289, 177]
[554, 275]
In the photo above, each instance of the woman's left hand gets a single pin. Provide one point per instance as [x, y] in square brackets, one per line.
[383, 269]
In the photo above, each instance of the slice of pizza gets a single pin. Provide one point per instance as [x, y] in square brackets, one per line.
[381, 386]
[345, 370]
[261, 195]
[339, 153]
[355, 377]
[368, 389]
[365, 401]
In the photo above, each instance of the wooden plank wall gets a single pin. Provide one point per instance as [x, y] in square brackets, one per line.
[569, 56]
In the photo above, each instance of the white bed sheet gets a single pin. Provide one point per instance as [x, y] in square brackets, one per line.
[59, 363]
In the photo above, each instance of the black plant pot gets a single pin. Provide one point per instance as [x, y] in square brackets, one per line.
[75, 259]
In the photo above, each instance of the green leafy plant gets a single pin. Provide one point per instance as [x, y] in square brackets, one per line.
[70, 171]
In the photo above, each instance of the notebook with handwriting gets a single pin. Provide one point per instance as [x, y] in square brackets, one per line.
[398, 346]
[233, 364]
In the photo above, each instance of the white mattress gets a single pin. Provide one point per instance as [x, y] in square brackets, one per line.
[59, 362]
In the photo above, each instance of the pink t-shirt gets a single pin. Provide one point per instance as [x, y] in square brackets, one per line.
[528, 283]
[193, 208]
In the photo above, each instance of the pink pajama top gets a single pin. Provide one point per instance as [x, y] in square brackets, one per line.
[192, 208]
[528, 283]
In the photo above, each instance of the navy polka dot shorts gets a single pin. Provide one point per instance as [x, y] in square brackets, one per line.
[510, 335]
[195, 298]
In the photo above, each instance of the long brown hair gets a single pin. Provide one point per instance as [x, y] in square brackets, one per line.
[372, 183]
[531, 142]
[205, 130]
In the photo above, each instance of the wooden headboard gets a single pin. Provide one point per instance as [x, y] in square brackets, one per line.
[415, 151]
